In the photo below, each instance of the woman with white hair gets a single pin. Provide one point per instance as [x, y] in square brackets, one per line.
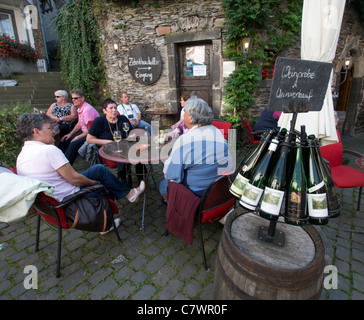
[199, 156]
[62, 112]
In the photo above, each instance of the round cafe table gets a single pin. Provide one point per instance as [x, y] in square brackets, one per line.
[141, 149]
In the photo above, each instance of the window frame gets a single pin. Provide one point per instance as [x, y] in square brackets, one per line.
[12, 19]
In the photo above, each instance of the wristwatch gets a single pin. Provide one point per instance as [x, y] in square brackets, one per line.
[60, 118]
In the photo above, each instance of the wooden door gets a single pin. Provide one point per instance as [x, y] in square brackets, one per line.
[195, 70]
[344, 95]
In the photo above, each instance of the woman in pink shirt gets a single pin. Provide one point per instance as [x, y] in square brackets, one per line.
[70, 143]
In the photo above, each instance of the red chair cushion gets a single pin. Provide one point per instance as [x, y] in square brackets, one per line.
[216, 214]
[223, 126]
[62, 216]
[114, 207]
[333, 153]
[347, 177]
[111, 164]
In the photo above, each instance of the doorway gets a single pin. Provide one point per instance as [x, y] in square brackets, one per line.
[195, 70]
[346, 81]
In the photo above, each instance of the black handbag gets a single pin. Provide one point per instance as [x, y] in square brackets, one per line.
[89, 213]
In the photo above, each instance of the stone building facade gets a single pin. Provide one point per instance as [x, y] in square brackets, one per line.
[180, 29]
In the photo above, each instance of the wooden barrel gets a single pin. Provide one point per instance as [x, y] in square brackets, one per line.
[248, 268]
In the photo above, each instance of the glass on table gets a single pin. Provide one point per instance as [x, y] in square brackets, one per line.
[117, 138]
[126, 128]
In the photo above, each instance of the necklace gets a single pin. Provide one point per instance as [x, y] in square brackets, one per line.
[115, 127]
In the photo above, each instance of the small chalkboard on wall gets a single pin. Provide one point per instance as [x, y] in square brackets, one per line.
[299, 82]
[145, 64]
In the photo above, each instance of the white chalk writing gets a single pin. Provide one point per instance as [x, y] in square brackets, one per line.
[289, 73]
[295, 95]
[140, 62]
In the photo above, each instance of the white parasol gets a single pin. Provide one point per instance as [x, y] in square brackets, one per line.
[321, 24]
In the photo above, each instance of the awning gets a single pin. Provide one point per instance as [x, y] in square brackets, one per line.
[321, 25]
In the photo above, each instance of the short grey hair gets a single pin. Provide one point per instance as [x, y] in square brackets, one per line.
[199, 110]
[61, 93]
[28, 121]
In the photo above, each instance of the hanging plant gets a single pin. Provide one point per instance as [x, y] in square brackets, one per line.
[79, 47]
[272, 25]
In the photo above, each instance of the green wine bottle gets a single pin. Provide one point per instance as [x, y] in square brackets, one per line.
[316, 196]
[296, 200]
[242, 178]
[255, 187]
[274, 190]
[333, 205]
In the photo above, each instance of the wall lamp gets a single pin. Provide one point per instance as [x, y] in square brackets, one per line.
[348, 61]
[116, 46]
[246, 45]
[347, 65]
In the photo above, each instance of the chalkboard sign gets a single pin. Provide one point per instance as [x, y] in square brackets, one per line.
[145, 64]
[299, 82]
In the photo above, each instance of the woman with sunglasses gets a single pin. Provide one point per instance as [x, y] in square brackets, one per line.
[71, 142]
[62, 112]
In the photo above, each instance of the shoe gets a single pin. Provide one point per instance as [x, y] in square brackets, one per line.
[135, 196]
[117, 224]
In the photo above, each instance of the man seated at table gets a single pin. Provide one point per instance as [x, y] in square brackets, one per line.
[132, 112]
[199, 156]
[41, 159]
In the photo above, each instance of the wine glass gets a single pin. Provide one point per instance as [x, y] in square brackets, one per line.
[117, 138]
[126, 127]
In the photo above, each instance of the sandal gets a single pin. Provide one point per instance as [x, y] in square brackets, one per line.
[135, 196]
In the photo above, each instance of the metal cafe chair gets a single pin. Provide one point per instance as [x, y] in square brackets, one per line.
[214, 204]
[343, 176]
[53, 213]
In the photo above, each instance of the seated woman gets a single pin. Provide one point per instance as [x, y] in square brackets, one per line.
[184, 98]
[62, 112]
[199, 156]
[41, 159]
[103, 128]
[178, 130]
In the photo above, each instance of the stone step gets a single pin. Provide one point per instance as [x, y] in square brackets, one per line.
[36, 89]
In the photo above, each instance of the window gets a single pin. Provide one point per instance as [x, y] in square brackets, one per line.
[6, 27]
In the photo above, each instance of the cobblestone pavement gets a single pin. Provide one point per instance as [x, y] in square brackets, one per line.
[149, 265]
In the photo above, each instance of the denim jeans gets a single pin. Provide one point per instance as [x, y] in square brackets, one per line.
[98, 172]
[70, 149]
[143, 124]
[163, 185]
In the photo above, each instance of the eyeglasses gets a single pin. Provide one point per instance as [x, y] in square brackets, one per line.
[75, 98]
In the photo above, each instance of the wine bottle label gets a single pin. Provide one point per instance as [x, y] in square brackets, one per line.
[272, 201]
[238, 186]
[316, 187]
[317, 205]
[273, 145]
[296, 204]
[251, 196]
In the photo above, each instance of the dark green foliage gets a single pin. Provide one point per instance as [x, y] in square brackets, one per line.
[272, 25]
[79, 47]
[10, 145]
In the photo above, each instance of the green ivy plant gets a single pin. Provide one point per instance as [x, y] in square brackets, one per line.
[79, 47]
[272, 25]
[10, 144]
